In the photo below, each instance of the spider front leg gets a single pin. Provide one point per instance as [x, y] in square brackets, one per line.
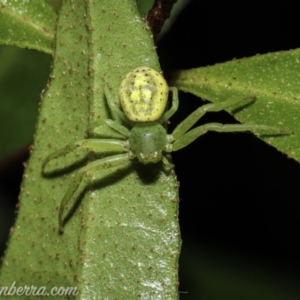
[85, 173]
[181, 138]
[191, 120]
[193, 134]
[107, 145]
[93, 144]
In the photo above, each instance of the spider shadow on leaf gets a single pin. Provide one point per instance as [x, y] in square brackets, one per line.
[114, 175]
[147, 174]
[249, 101]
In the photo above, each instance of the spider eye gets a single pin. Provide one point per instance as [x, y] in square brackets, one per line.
[143, 95]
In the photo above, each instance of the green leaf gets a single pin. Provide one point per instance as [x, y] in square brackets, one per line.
[271, 79]
[121, 236]
[27, 24]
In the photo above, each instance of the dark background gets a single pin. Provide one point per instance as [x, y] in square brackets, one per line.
[239, 197]
[239, 209]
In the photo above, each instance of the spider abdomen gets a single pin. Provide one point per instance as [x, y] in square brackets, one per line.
[147, 142]
[143, 95]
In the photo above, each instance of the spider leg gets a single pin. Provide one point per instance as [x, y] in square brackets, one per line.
[112, 124]
[187, 123]
[85, 173]
[193, 134]
[94, 144]
[175, 102]
[167, 163]
[113, 107]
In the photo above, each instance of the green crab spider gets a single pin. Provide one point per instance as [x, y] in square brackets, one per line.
[143, 96]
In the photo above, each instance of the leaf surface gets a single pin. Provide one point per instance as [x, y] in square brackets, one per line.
[121, 238]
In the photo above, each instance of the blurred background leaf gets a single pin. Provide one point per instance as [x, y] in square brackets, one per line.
[23, 76]
[27, 24]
